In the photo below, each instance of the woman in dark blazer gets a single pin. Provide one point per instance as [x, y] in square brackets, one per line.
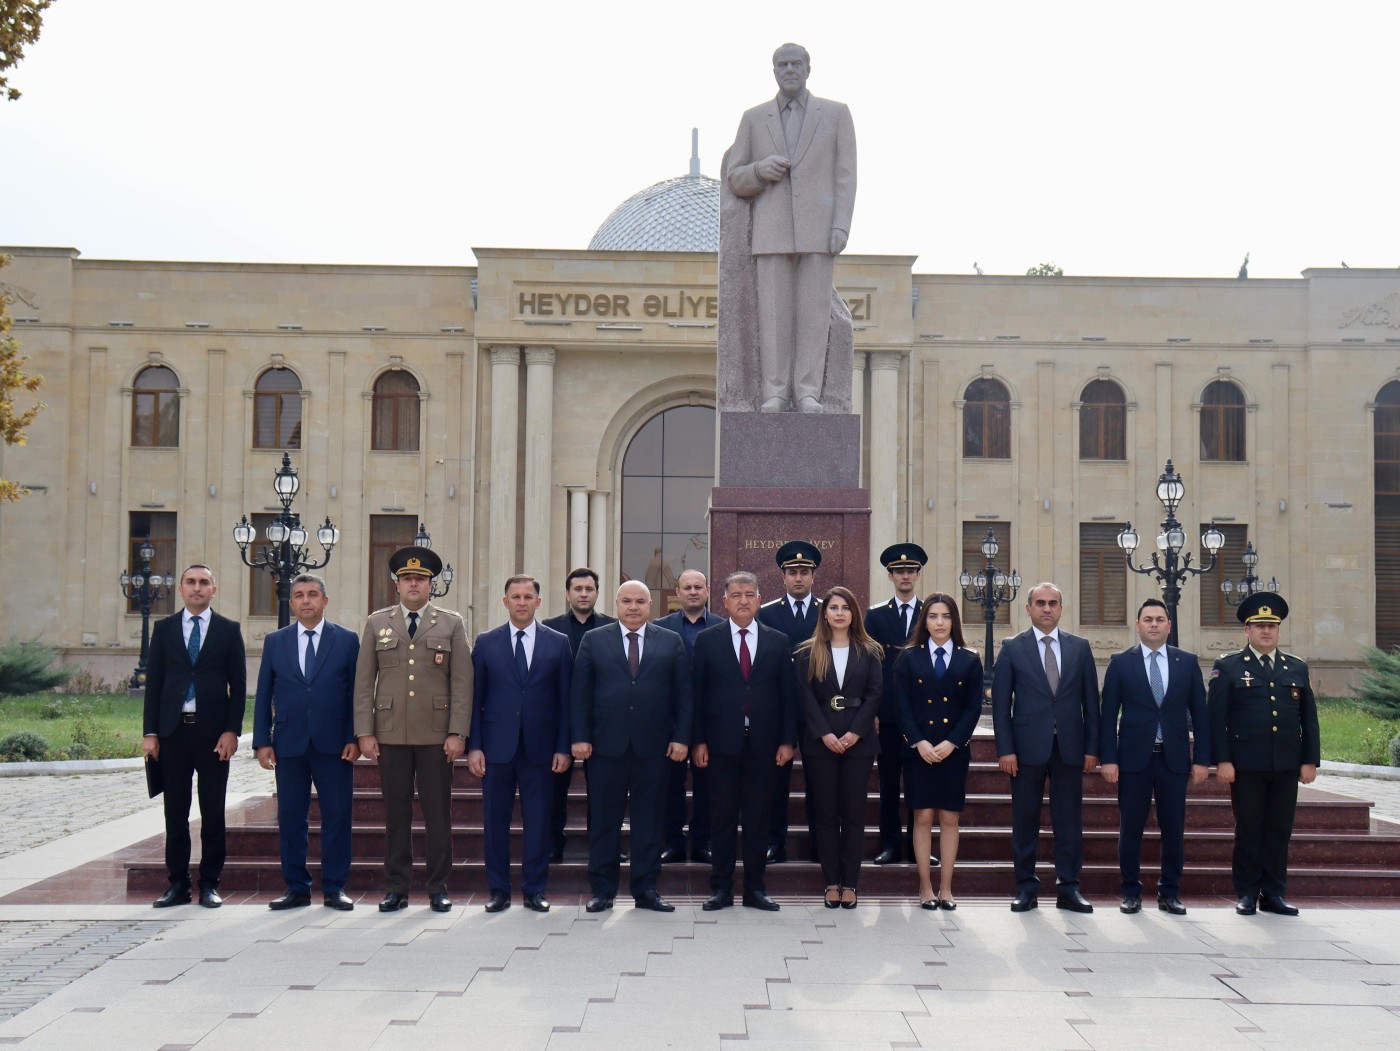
[840, 679]
[937, 699]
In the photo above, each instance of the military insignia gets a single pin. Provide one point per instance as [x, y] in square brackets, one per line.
[439, 658]
[1247, 679]
[1297, 692]
[1214, 674]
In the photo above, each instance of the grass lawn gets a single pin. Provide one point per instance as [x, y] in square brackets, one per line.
[107, 725]
[1352, 735]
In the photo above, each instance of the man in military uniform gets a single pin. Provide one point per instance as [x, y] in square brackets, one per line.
[413, 709]
[1265, 741]
[890, 624]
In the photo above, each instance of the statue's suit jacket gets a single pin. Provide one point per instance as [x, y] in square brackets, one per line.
[797, 213]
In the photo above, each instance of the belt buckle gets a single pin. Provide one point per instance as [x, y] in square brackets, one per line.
[838, 703]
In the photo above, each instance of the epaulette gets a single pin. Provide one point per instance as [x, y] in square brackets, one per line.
[880, 605]
[1292, 657]
[449, 612]
[771, 602]
[386, 609]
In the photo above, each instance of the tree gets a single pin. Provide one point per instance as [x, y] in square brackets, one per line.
[1378, 688]
[1045, 270]
[12, 379]
[19, 27]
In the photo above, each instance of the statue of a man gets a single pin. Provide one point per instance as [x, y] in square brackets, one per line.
[794, 159]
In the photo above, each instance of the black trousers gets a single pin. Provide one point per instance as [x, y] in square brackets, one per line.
[184, 755]
[893, 831]
[838, 785]
[1066, 818]
[1264, 802]
[741, 790]
[401, 766]
[614, 782]
[559, 816]
[674, 836]
[1136, 791]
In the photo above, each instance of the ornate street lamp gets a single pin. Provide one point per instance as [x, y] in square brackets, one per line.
[284, 555]
[146, 588]
[1170, 565]
[991, 589]
[1249, 583]
[446, 576]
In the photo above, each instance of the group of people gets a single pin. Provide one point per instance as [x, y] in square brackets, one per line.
[722, 703]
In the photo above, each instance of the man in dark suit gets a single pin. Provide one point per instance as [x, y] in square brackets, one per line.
[520, 736]
[693, 617]
[745, 731]
[1045, 713]
[1153, 697]
[581, 595]
[631, 713]
[304, 729]
[890, 624]
[1265, 739]
[196, 691]
[795, 615]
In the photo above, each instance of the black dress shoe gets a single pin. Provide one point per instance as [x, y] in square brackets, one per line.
[175, 894]
[338, 900]
[1073, 901]
[931, 905]
[654, 901]
[293, 899]
[1024, 901]
[599, 903]
[439, 902]
[947, 903]
[888, 856]
[704, 855]
[1171, 905]
[498, 902]
[672, 854]
[776, 855]
[393, 901]
[1131, 904]
[720, 899]
[756, 899]
[209, 898]
[536, 903]
[1246, 905]
[1274, 903]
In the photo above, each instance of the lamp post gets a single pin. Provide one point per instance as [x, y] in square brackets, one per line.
[147, 588]
[422, 539]
[1249, 583]
[284, 555]
[1170, 565]
[991, 589]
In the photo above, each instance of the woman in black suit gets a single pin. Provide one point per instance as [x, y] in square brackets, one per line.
[840, 680]
[938, 699]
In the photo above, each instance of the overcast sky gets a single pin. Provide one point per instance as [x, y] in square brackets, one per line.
[1112, 138]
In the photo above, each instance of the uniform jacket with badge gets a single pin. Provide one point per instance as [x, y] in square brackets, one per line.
[778, 614]
[413, 691]
[932, 709]
[885, 625]
[1263, 720]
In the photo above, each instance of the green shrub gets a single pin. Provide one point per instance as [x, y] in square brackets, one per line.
[55, 709]
[1375, 744]
[1395, 750]
[1378, 688]
[24, 746]
[28, 667]
[84, 681]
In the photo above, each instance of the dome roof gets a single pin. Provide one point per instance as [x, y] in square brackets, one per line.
[675, 215]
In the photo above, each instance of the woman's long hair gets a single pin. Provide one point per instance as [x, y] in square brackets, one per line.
[921, 636]
[818, 647]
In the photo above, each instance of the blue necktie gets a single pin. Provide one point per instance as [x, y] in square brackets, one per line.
[1154, 679]
[310, 654]
[522, 666]
[192, 648]
[940, 666]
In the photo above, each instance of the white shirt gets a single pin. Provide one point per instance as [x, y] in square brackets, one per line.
[839, 656]
[1147, 652]
[187, 626]
[806, 601]
[1054, 638]
[420, 612]
[528, 641]
[641, 639]
[751, 638]
[319, 629]
[947, 649]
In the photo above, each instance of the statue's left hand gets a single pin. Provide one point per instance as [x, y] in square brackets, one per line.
[838, 241]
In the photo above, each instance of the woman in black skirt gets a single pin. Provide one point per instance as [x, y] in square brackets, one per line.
[840, 679]
[938, 698]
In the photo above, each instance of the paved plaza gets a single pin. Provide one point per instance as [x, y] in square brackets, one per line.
[118, 976]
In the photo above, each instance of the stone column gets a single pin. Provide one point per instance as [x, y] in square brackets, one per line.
[505, 421]
[858, 397]
[883, 479]
[578, 526]
[539, 459]
[598, 535]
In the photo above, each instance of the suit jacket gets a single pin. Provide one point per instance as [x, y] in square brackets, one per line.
[1263, 721]
[778, 614]
[413, 691]
[294, 713]
[933, 709]
[676, 621]
[611, 712]
[721, 694]
[508, 713]
[884, 624]
[818, 195]
[1128, 729]
[1027, 717]
[865, 684]
[219, 673]
[571, 628]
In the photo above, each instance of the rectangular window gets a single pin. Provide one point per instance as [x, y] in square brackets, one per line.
[160, 526]
[974, 561]
[387, 533]
[155, 418]
[1103, 575]
[1387, 572]
[1215, 611]
[262, 589]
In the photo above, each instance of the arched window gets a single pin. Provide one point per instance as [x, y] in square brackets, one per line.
[277, 410]
[1387, 482]
[155, 408]
[395, 412]
[1222, 422]
[667, 474]
[987, 420]
[1103, 423]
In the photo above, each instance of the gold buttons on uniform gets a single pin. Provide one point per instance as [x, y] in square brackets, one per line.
[410, 645]
[1273, 713]
[410, 693]
[945, 720]
[410, 660]
[410, 678]
[1275, 729]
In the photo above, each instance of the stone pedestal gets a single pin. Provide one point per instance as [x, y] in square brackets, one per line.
[789, 450]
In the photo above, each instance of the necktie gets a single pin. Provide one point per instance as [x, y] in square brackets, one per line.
[1154, 679]
[1052, 669]
[904, 616]
[192, 648]
[522, 666]
[634, 654]
[412, 624]
[1268, 659]
[745, 660]
[798, 607]
[310, 662]
[792, 126]
[939, 665]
